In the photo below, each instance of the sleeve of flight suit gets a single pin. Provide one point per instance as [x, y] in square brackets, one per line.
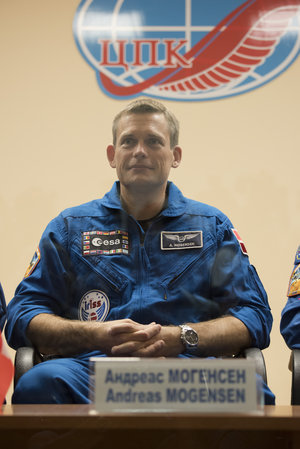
[46, 284]
[236, 283]
[290, 317]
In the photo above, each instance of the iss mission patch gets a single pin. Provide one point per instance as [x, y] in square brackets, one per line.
[191, 50]
[94, 306]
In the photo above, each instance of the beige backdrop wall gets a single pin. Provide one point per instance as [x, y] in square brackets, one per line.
[241, 154]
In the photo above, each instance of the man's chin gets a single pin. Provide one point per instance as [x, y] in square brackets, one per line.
[142, 186]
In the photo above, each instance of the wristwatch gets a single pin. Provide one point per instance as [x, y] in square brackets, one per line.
[189, 336]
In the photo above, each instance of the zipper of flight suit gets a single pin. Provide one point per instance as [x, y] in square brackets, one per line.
[142, 272]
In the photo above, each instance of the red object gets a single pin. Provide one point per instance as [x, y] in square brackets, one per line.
[6, 372]
[241, 243]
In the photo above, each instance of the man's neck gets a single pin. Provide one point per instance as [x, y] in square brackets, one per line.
[143, 205]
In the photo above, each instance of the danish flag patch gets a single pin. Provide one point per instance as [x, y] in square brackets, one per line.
[241, 243]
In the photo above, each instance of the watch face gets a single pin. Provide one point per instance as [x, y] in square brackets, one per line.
[191, 337]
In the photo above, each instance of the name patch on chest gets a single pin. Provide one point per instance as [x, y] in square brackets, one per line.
[181, 240]
[105, 243]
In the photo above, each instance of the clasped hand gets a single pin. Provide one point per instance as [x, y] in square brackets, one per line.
[129, 338]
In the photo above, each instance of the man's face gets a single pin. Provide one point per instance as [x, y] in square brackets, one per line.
[142, 155]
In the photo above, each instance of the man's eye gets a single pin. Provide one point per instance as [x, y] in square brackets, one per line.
[128, 141]
[154, 141]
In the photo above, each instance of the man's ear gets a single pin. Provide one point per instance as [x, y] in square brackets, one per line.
[177, 153]
[110, 153]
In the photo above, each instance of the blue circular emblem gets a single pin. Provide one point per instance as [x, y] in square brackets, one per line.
[94, 306]
[188, 50]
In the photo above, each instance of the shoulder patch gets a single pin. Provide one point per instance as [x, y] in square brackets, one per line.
[294, 284]
[297, 257]
[241, 243]
[34, 261]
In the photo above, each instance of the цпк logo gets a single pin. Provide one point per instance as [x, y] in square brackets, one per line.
[188, 50]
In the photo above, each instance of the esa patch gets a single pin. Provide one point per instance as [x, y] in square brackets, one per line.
[241, 243]
[93, 306]
[34, 261]
[294, 285]
[181, 240]
[104, 243]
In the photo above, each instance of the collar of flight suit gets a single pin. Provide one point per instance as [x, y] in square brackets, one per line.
[176, 202]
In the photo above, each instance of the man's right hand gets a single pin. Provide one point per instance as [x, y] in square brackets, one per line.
[127, 338]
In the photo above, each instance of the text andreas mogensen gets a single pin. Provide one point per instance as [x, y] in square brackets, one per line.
[176, 386]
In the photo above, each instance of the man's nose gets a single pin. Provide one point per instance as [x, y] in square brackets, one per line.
[140, 150]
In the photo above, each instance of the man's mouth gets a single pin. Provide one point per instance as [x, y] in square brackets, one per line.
[140, 166]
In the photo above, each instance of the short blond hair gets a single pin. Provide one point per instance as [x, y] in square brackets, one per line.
[146, 106]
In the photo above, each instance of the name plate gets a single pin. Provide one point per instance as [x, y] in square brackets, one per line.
[174, 385]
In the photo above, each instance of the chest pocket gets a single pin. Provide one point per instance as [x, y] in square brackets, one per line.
[191, 272]
[95, 273]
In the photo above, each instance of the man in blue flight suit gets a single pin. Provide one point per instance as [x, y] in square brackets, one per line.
[290, 317]
[2, 309]
[141, 272]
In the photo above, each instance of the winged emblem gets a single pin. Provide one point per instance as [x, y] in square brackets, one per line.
[85, 315]
[100, 311]
[225, 55]
[180, 238]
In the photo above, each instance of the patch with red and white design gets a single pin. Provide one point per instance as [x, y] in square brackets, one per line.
[241, 243]
[33, 263]
[294, 284]
[94, 306]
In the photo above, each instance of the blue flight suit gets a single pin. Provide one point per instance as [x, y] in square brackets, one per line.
[290, 316]
[2, 309]
[95, 262]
